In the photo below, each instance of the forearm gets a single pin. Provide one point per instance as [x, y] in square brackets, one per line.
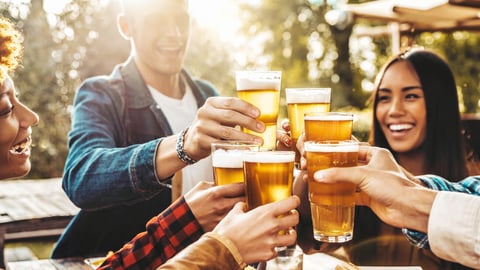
[166, 235]
[98, 177]
[210, 252]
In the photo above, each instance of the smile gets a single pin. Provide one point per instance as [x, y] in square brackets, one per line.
[400, 127]
[22, 147]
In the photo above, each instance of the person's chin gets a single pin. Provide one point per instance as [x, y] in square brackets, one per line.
[22, 170]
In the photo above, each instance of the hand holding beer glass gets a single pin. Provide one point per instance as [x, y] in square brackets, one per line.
[227, 160]
[262, 89]
[332, 205]
[301, 101]
[268, 176]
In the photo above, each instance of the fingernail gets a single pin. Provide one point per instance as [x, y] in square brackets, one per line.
[319, 176]
[256, 113]
[260, 126]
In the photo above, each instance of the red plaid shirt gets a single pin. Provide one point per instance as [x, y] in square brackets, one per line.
[166, 235]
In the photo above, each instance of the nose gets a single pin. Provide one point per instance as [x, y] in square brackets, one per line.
[26, 116]
[397, 107]
[174, 27]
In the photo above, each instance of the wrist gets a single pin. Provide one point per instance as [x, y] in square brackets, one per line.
[181, 153]
[418, 208]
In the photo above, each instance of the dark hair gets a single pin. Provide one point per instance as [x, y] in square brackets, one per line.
[444, 149]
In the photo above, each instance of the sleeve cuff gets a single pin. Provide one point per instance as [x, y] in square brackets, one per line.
[230, 246]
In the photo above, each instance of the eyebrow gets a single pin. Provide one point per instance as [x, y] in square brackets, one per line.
[404, 89]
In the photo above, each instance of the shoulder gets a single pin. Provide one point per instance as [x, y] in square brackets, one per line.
[112, 84]
[206, 87]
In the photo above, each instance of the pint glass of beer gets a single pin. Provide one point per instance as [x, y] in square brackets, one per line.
[262, 89]
[227, 160]
[301, 101]
[268, 176]
[328, 126]
[332, 205]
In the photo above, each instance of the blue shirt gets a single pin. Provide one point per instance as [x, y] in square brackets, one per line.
[110, 168]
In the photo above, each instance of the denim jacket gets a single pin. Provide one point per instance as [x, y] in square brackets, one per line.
[110, 170]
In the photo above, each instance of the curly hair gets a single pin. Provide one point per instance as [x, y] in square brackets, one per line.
[10, 48]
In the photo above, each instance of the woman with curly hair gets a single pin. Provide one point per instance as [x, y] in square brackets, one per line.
[16, 119]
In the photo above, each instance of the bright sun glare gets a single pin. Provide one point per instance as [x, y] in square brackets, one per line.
[220, 15]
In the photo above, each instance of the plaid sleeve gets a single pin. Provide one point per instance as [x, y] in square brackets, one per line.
[166, 235]
[470, 185]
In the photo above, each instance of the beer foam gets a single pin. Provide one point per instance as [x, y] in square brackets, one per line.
[228, 159]
[328, 117]
[270, 157]
[331, 147]
[308, 95]
[260, 80]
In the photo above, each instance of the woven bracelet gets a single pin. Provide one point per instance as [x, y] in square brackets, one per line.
[181, 154]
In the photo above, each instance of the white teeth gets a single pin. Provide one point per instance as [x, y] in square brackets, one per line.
[400, 127]
[21, 147]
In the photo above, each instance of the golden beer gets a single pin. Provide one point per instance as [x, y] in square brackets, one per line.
[262, 89]
[301, 101]
[268, 176]
[227, 160]
[328, 126]
[332, 205]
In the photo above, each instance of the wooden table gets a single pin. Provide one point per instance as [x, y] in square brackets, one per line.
[63, 264]
[31, 209]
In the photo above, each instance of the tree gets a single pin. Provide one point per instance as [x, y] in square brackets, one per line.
[309, 51]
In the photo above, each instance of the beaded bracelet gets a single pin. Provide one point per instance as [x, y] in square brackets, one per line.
[181, 154]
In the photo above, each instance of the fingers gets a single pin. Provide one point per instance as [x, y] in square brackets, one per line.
[235, 104]
[351, 174]
[284, 206]
[231, 111]
[286, 239]
[284, 139]
[285, 124]
[230, 190]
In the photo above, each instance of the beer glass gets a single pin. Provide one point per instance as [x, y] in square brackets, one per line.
[262, 89]
[289, 258]
[301, 101]
[268, 176]
[332, 205]
[328, 126]
[227, 160]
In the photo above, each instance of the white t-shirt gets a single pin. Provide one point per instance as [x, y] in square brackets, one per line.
[454, 228]
[180, 114]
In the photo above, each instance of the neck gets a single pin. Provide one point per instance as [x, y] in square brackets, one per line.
[413, 161]
[170, 85]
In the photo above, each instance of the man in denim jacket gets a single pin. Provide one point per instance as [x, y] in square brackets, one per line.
[134, 129]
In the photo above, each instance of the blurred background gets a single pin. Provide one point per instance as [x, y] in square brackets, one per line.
[313, 42]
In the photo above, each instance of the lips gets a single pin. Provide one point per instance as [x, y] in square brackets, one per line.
[400, 127]
[22, 147]
[170, 47]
